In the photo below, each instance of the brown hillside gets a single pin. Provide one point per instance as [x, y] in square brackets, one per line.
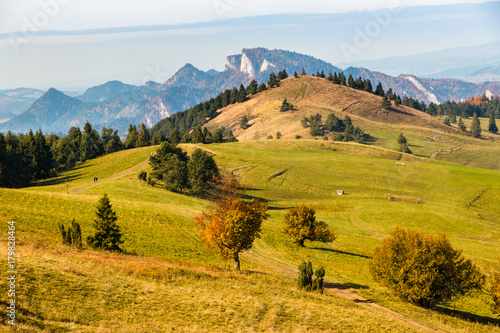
[311, 95]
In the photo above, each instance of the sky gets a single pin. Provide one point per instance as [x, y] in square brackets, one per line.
[94, 14]
[35, 52]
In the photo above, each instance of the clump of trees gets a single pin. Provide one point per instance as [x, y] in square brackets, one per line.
[305, 279]
[233, 224]
[301, 225]
[403, 144]
[179, 172]
[285, 106]
[495, 292]
[108, 235]
[72, 235]
[342, 130]
[244, 123]
[423, 269]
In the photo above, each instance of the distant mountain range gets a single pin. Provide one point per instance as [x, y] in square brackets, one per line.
[475, 64]
[115, 104]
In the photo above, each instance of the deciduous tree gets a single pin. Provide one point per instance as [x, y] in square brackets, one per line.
[301, 225]
[234, 224]
[423, 269]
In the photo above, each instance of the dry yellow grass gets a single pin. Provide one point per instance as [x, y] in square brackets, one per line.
[311, 95]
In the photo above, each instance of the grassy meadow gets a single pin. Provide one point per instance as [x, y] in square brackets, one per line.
[170, 282]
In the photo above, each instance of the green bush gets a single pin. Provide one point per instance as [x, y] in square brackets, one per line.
[305, 279]
[423, 269]
[142, 175]
[71, 236]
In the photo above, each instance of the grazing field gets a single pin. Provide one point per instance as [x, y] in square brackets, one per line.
[169, 282]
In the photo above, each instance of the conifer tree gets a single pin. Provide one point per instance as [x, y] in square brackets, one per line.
[143, 138]
[350, 82]
[492, 127]
[379, 90]
[201, 170]
[252, 88]
[244, 123]
[303, 71]
[386, 103]
[108, 235]
[461, 125]
[131, 137]
[285, 106]
[475, 129]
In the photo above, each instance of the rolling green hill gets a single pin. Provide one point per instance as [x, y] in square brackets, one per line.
[172, 283]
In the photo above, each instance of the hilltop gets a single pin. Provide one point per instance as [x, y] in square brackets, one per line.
[311, 95]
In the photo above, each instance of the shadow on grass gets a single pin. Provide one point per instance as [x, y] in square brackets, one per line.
[344, 286]
[468, 316]
[341, 252]
[369, 138]
[58, 181]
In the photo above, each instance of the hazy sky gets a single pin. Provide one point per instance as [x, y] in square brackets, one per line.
[91, 14]
[33, 55]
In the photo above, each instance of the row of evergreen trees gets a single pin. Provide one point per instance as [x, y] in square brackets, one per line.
[201, 113]
[180, 172]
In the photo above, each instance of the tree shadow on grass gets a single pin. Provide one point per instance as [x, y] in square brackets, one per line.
[343, 286]
[58, 181]
[341, 252]
[467, 316]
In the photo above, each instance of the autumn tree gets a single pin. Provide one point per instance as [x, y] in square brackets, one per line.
[234, 224]
[108, 235]
[423, 269]
[301, 225]
[475, 128]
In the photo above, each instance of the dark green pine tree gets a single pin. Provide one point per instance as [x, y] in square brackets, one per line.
[282, 75]
[252, 88]
[342, 79]
[175, 137]
[273, 80]
[285, 106]
[379, 90]
[108, 235]
[350, 82]
[218, 136]
[295, 75]
[403, 144]
[492, 127]
[244, 122]
[475, 129]
[131, 137]
[230, 137]
[386, 103]
[143, 139]
[242, 94]
[201, 170]
[42, 157]
[261, 87]
[157, 139]
[367, 85]
[461, 125]
[335, 79]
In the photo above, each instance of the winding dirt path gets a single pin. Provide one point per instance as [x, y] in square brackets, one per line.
[80, 189]
[349, 295]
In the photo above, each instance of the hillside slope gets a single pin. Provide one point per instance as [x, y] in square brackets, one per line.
[187, 289]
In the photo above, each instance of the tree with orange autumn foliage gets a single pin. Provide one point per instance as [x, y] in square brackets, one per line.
[234, 224]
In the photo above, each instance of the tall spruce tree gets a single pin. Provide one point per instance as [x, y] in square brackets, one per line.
[379, 90]
[461, 125]
[108, 235]
[492, 127]
[475, 129]
[143, 139]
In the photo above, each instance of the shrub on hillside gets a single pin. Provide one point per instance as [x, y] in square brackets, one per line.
[142, 175]
[423, 269]
[305, 279]
[71, 236]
